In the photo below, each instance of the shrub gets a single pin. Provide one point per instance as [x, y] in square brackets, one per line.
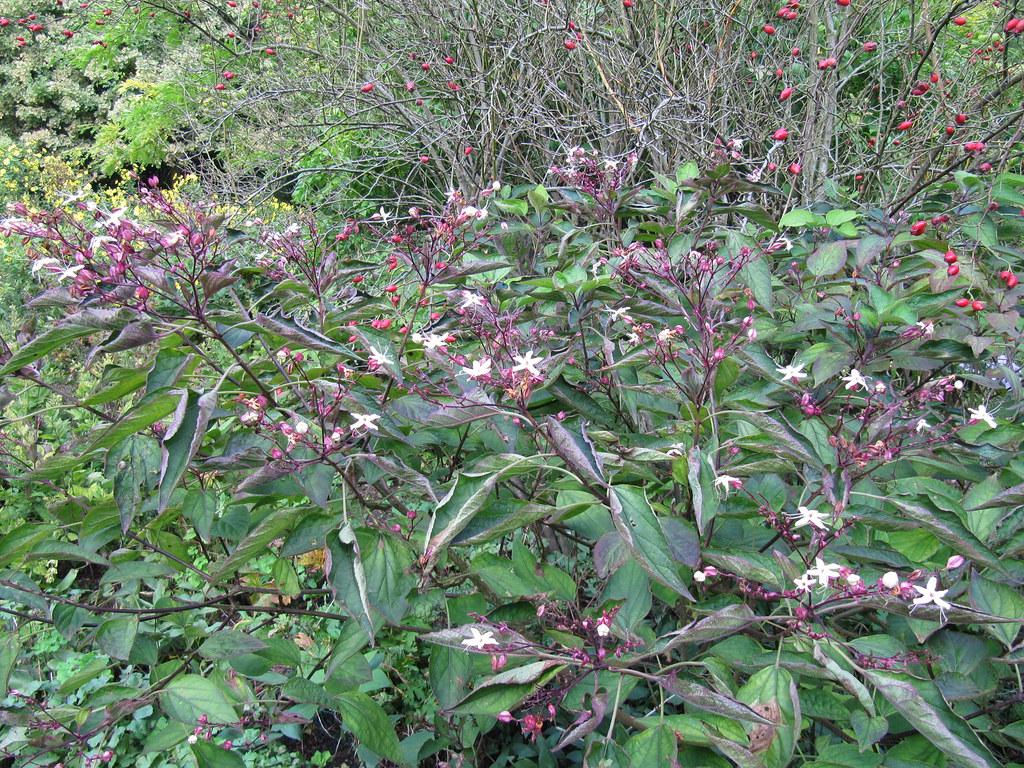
[633, 474]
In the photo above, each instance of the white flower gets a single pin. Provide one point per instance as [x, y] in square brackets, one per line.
[381, 215]
[981, 414]
[528, 363]
[929, 594]
[880, 387]
[44, 262]
[855, 380]
[806, 582]
[922, 425]
[957, 384]
[365, 421]
[114, 218]
[927, 328]
[751, 333]
[434, 341]
[891, 580]
[666, 334]
[791, 372]
[700, 577]
[479, 369]
[824, 572]
[812, 517]
[619, 314]
[853, 579]
[633, 339]
[379, 358]
[479, 640]
[301, 427]
[602, 629]
[192, 738]
[727, 483]
[470, 299]
[70, 272]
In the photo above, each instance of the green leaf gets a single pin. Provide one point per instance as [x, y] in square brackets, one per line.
[368, 723]
[774, 687]
[758, 276]
[999, 600]
[84, 323]
[576, 449]
[272, 526]
[465, 498]
[116, 637]
[188, 697]
[643, 535]
[211, 755]
[705, 699]
[347, 578]
[505, 690]
[229, 643]
[448, 674]
[9, 649]
[700, 478]
[800, 218]
[827, 259]
[921, 703]
[182, 439]
[655, 747]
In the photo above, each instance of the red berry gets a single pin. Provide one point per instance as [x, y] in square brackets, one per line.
[367, 88]
[959, 21]
[962, 302]
[960, 119]
[953, 270]
[795, 52]
[467, 151]
[906, 125]
[843, 3]
[768, 29]
[918, 228]
[870, 46]
[1005, 275]
[781, 135]
[570, 45]
[950, 130]
[934, 77]
[950, 257]
[270, 51]
[794, 169]
[449, 60]
[1012, 282]
[219, 87]
[977, 306]
[786, 93]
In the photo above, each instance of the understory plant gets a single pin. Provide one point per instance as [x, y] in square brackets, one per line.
[600, 473]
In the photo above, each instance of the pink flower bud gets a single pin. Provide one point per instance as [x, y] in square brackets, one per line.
[954, 562]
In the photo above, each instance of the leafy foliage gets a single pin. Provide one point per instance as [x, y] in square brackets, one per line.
[635, 473]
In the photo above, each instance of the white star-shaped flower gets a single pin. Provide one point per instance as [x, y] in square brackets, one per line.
[528, 363]
[855, 380]
[379, 358]
[922, 426]
[619, 314]
[929, 594]
[382, 215]
[812, 517]
[665, 334]
[114, 218]
[927, 328]
[824, 572]
[365, 421]
[44, 262]
[470, 300]
[479, 369]
[981, 414]
[70, 272]
[434, 341]
[806, 582]
[727, 483]
[479, 640]
[791, 372]
[633, 339]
